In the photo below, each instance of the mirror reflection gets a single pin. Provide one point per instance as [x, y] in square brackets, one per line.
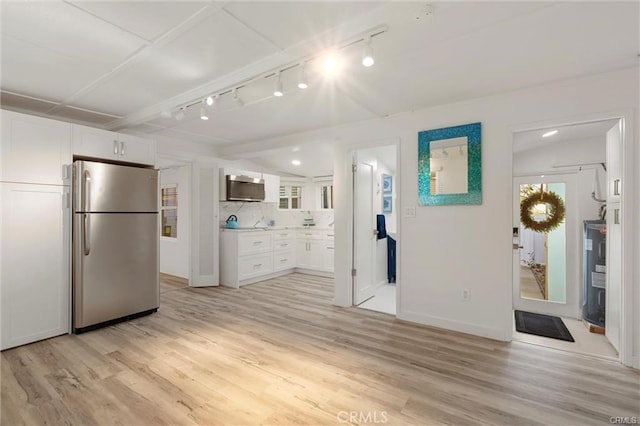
[449, 166]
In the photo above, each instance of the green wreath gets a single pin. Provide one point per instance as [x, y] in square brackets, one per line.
[554, 218]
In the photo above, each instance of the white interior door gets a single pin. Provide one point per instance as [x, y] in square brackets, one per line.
[364, 237]
[204, 226]
[558, 253]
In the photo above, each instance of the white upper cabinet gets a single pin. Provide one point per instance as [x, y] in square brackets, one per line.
[34, 149]
[614, 161]
[271, 188]
[102, 144]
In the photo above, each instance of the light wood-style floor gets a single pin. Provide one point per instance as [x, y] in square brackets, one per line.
[278, 352]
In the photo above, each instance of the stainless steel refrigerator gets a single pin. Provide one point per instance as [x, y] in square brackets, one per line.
[115, 243]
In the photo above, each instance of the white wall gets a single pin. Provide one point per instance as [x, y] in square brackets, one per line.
[439, 240]
[174, 252]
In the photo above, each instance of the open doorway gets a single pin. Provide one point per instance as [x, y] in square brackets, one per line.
[561, 261]
[375, 197]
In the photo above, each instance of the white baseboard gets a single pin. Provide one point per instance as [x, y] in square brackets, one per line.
[462, 327]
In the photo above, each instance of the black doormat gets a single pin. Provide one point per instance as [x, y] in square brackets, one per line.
[542, 325]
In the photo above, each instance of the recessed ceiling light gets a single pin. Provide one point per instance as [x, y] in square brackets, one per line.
[295, 162]
[541, 176]
[550, 133]
[295, 149]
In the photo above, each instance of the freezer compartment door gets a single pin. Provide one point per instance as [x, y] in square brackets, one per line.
[101, 187]
[116, 270]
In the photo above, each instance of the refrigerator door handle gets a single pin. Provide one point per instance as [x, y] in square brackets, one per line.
[86, 237]
[86, 190]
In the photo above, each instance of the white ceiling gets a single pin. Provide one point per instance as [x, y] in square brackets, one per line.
[118, 65]
[575, 133]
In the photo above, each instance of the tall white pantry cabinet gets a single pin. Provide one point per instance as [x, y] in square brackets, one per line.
[35, 223]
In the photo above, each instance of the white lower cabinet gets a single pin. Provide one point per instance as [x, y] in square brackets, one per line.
[254, 265]
[34, 262]
[245, 256]
[249, 256]
[309, 254]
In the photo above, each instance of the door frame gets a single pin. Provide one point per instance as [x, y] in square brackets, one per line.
[572, 268]
[343, 211]
[629, 228]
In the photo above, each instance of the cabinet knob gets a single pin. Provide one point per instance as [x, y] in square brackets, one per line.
[115, 147]
[121, 148]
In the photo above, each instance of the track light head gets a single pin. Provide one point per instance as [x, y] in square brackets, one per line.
[236, 98]
[278, 89]
[367, 54]
[203, 111]
[211, 100]
[180, 114]
[302, 78]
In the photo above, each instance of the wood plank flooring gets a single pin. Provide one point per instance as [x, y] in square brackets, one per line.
[279, 353]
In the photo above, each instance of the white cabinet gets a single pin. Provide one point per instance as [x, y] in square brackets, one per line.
[284, 249]
[328, 256]
[35, 268]
[614, 161]
[34, 149]
[309, 249]
[245, 256]
[271, 188]
[102, 144]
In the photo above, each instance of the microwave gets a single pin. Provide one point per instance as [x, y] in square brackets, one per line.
[244, 188]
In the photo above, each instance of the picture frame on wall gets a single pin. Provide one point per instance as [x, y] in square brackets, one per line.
[387, 184]
[387, 203]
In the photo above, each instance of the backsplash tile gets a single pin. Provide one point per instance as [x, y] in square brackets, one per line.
[260, 214]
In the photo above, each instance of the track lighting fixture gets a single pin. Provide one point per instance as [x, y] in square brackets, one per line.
[367, 54]
[302, 78]
[203, 111]
[236, 98]
[278, 89]
[331, 63]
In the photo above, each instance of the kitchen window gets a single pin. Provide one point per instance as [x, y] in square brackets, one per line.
[290, 197]
[169, 210]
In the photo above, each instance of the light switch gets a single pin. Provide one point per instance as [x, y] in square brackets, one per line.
[410, 211]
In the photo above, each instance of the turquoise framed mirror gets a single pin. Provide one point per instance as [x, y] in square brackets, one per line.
[450, 166]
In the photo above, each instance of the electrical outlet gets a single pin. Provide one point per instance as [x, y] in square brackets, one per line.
[466, 294]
